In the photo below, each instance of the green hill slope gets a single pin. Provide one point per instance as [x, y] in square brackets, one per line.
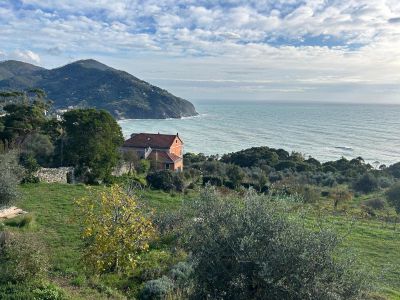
[89, 83]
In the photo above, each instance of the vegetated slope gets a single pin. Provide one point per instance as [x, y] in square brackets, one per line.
[89, 83]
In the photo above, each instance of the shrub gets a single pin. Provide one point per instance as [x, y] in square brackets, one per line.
[393, 197]
[181, 273]
[249, 248]
[235, 175]
[154, 264]
[49, 291]
[286, 164]
[143, 166]
[166, 180]
[385, 182]
[213, 180]
[366, 184]
[16, 291]
[157, 289]
[340, 195]
[31, 167]
[115, 229]
[309, 193]
[22, 258]
[375, 203]
[10, 176]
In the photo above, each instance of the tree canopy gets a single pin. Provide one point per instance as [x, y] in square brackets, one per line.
[92, 142]
[248, 248]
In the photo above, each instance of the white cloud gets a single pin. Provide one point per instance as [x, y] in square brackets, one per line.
[26, 55]
[312, 45]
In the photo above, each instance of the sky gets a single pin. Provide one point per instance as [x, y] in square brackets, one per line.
[274, 50]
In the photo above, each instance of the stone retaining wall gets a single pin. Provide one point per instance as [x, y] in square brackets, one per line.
[58, 175]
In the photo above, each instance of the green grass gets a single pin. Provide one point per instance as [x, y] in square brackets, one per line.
[375, 242]
[57, 224]
[376, 245]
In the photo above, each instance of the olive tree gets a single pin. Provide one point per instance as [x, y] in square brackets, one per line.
[10, 176]
[393, 197]
[249, 248]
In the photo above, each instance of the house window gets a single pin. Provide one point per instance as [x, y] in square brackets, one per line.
[167, 166]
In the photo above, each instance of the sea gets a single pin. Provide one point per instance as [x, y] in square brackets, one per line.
[325, 131]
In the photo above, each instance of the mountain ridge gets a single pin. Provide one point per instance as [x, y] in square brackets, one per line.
[90, 83]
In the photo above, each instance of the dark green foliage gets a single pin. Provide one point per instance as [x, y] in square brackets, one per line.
[262, 166]
[250, 249]
[285, 164]
[213, 180]
[39, 146]
[235, 174]
[31, 290]
[22, 119]
[393, 196]
[181, 273]
[192, 158]
[49, 292]
[10, 176]
[394, 170]
[157, 289]
[166, 180]
[366, 184]
[88, 83]
[92, 142]
[31, 167]
[254, 156]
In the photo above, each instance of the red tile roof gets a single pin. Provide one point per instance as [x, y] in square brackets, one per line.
[144, 140]
[164, 156]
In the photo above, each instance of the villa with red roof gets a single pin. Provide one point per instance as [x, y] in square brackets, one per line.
[165, 151]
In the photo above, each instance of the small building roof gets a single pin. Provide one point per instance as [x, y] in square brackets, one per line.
[164, 156]
[152, 140]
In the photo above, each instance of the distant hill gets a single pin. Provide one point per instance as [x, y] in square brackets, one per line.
[89, 83]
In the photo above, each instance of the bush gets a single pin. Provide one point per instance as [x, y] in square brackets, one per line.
[375, 203]
[249, 248]
[393, 197]
[10, 176]
[309, 194]
[143, 166]
[22, 258]
[49, 291]
[115, 230]
[166, 180]
[31, 167]
[366, 184]
[157, 289]
[154, 264]
[16, 291]
[181, 273]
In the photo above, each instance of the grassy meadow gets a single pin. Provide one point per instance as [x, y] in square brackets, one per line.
[375, 242]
